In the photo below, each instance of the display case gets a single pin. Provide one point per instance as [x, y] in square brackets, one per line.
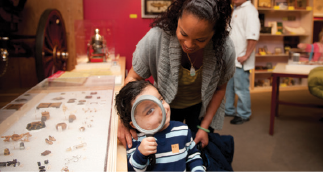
[61, 124]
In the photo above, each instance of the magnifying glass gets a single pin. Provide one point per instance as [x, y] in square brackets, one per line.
[148, 116]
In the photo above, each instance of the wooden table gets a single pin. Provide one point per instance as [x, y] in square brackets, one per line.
[281, 71]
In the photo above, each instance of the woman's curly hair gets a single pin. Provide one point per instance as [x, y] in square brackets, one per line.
[125, 97]
[217, 12]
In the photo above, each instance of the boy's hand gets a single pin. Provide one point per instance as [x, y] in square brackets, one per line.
[148, 146]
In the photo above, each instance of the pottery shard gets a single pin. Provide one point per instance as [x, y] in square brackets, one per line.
[46, 114]
[72, 118]
[63, 125]
[6, 151]
[15, 137]
[35, 125]
[45, 153]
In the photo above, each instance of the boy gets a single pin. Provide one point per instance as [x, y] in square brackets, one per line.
[172, 145]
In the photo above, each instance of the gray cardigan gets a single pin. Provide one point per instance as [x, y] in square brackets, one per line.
[159, 55]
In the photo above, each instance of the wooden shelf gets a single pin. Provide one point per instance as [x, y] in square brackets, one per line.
[287, 88]
[304, 18]
[271, 9]
[268, 34]
[273, 55]
[261, 71]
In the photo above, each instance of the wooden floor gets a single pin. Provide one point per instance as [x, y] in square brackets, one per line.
[8, 95]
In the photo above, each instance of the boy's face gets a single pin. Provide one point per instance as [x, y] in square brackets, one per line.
[149, 114]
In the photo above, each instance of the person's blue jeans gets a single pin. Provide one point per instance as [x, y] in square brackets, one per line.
[239, 84]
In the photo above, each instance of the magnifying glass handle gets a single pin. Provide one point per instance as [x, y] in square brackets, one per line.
[152, 161]
[151, 157]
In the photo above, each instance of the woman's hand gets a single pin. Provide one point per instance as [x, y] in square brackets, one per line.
[202, 136]
[125, 135]
[148, 146]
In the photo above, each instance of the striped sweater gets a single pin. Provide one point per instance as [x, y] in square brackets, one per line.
[188, 156]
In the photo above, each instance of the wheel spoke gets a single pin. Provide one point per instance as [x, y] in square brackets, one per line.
[47, 59]
[54, 30]
[47, 50]
[48, 38]
[51, 32]
[48, 69]
[61, 40]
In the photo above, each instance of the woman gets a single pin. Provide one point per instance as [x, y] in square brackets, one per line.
[191, 58]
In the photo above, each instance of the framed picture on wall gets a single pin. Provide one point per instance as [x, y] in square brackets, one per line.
[152, 8]
[318, 8]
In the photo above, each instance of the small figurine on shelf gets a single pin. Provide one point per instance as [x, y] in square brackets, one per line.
[97, 50]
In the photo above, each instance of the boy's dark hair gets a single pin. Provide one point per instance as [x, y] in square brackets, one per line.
[124, 98]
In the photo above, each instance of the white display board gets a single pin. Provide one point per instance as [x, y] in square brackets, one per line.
[94, 115]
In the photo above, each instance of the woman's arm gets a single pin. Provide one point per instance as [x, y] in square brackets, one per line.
[132, 76]
[212, 107]
[124, 134]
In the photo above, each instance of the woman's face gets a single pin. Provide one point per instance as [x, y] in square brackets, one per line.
[148, 115]
[193, 33]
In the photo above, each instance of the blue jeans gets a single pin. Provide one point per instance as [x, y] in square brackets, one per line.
[238, 84]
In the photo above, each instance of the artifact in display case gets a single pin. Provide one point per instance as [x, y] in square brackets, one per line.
[97, 50]
[15, 137]
[14, 163]
[75, 137]
[94, 37]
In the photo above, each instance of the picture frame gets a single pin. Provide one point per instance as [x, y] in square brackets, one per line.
[264, 3]
[153, 8]
[318, 8]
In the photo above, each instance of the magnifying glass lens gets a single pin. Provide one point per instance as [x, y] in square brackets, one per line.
[148, 115]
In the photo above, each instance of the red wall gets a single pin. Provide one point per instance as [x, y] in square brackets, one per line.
[128, 31]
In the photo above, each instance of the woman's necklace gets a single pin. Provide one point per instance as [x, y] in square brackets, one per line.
[192, 69]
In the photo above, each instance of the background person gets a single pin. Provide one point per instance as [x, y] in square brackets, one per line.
[245, 33]
[316, 48]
